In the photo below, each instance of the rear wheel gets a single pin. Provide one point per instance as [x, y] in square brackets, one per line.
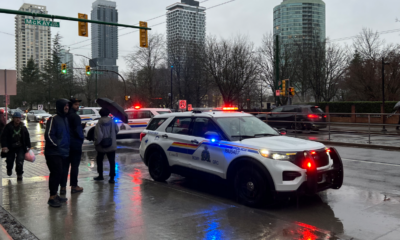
[250, 187]
[158, 166]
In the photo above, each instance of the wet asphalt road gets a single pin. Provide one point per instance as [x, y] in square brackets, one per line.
[366, 207]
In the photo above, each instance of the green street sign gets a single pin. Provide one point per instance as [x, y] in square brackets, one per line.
[42, 23]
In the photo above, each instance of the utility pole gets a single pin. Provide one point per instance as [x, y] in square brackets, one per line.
[276, 68]
[383, 93]
[172, 67]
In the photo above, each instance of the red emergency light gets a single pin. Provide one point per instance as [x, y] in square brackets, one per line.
[136, 107]
[230, 108]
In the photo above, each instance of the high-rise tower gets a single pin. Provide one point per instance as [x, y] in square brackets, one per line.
[300, 21]
[31, 40]
[186, 26]
[104, 37]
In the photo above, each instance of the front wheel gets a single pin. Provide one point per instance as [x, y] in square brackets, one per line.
[250, 187]
[158, 166]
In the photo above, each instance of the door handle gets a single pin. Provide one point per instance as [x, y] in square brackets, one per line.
[165, 136]
[195, 141]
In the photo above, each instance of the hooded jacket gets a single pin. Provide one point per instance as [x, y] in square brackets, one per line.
[105, 128]
[7, 136]
[2, 122]
[75, 130]
[57, 134]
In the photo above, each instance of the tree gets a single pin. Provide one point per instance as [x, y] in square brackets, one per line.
[31, 85]
[231, 65]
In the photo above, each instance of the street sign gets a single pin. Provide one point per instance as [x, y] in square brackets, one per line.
[40, 107]
[190, 108]
[182, 104]
[278, 93]
[42, 23]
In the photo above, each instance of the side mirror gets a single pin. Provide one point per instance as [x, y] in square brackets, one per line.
[212, 136]
[283, 131]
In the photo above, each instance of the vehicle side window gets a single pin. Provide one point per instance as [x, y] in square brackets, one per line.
[289, 109]
[203, 125]
[139, 114]
[80, 112]
[279, 109]
[87, 111]
[179, 125]
[155, 123]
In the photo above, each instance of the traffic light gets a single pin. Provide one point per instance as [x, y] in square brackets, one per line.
[144, 37]
[88, 70]
[63, 68]
[292, 92]
[83, 26]
[283, 93]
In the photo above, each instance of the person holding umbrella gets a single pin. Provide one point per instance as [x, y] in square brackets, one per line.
[105, 141]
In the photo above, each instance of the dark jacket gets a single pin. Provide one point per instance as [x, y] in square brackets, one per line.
[2, 122]
[75, 130]
[57, 132]
[7, 136]
[105, 128]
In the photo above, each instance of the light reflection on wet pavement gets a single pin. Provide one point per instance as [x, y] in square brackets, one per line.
[138, 208]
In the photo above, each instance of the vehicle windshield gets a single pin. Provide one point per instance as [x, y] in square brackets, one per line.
[316, 110]
[238, 128]
[40, 111]
[163, 112]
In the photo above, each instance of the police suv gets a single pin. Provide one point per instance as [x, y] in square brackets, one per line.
[260, 163]
[138, 118]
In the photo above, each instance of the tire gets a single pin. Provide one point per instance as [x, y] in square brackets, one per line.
[158, 166]
[250, 187]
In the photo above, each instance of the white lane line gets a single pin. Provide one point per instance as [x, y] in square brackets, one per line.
[379, 163]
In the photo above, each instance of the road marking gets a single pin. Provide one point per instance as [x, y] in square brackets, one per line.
[380, 163]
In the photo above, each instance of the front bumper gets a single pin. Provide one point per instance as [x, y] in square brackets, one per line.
[321, 180]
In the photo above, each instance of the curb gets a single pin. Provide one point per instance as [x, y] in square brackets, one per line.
[360, 145]
[4, 234]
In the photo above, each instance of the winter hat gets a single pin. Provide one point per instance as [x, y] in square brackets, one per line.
[104, 112]
[16, 115]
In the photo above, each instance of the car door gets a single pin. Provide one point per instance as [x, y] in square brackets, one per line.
[275, 117]
[139, 119]
[180, 146]
[288, 116]
[208, 157]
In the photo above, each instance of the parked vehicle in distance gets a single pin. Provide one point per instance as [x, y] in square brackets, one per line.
[296, 117]
[88, 114]
[37, 115]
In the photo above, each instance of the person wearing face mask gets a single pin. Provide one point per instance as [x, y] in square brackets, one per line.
[15, 141]
[57, 149]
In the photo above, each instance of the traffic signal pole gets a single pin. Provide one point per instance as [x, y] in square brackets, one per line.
[8, 11]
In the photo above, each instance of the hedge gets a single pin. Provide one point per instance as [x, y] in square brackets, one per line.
[361, 106]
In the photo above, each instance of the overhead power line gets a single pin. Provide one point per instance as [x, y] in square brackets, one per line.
[124, 34]
[348, 38]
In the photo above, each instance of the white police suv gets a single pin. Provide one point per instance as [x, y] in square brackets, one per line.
[138, 118]
[260, 164]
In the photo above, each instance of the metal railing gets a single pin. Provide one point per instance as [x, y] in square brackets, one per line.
[365, 120]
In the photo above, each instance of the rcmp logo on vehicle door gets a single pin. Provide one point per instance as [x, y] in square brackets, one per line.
[205, 155]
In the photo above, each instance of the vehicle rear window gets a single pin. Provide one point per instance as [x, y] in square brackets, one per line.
[163, 112]
[155, 123]
[316, 110]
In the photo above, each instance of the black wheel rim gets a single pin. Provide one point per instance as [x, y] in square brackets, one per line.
[156, 165]
[248, 186]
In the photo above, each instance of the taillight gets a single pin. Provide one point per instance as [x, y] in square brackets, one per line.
[312, 116]
[328, 150]
[142, 135]
[313, 152]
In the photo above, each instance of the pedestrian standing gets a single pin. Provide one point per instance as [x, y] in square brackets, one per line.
[105, 141]
[56, 150]
[3, 121]
[75, 150]
[15, 141]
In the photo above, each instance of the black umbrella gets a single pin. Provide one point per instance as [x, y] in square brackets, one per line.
[397, 105]
[115, 109]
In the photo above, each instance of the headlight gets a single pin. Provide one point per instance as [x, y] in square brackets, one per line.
[264, 153]
[90, 124]
[38, 116]
[279, 156]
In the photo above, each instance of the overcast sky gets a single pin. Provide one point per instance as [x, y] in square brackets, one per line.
[253, 18]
